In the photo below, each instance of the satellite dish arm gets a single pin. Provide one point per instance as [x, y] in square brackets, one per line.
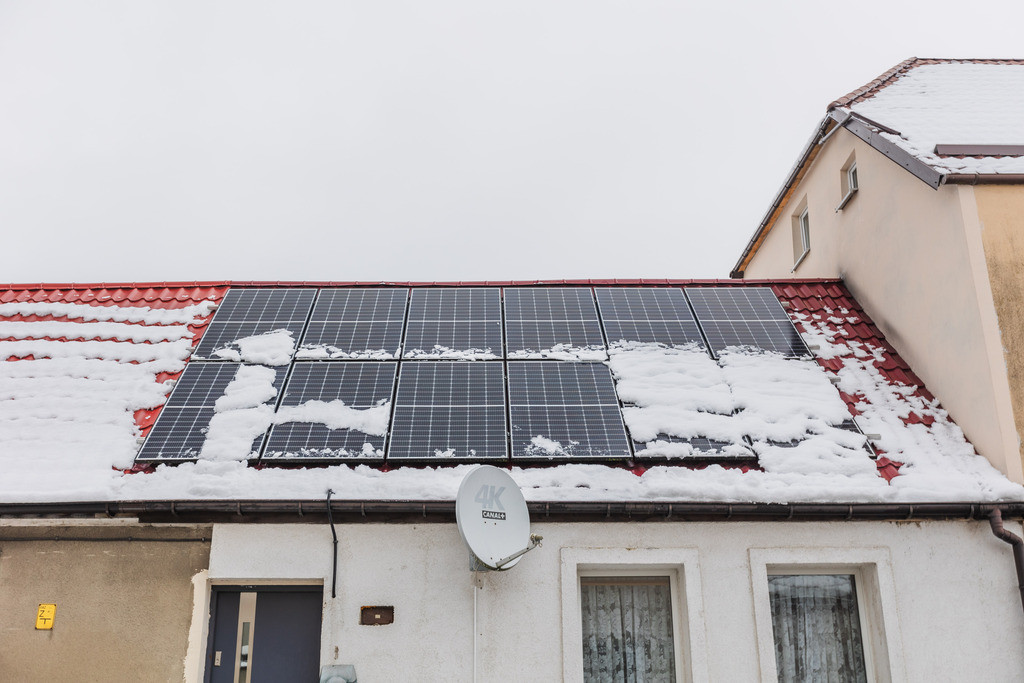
[534, 542]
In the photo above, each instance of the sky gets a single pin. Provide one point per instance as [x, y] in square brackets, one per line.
[422, 141]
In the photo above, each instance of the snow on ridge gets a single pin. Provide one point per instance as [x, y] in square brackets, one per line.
[566, 352]
[67, 408]
[953, 103]
[92, 330]
[325, 351]
[123, 314]
[445, 353]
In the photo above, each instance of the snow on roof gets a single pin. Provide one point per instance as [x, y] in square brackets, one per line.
[89, 368]
[949, 102]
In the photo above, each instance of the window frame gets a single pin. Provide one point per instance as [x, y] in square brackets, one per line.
[849, 181]
[681, 567]
[876, 602]
[802, 230]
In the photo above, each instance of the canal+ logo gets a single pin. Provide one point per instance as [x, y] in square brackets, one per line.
[489, 498]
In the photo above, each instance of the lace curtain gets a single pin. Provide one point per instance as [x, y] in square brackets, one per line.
[627, 630]
[817, 629]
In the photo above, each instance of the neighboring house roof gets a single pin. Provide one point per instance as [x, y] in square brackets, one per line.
[89, 369]
[946, 121]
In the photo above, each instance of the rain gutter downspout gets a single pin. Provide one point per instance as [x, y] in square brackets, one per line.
[334, 569]
[995, 519]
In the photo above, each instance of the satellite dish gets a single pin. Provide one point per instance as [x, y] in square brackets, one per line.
[493, 519]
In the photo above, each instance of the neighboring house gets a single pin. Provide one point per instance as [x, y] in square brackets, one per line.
[734, 481]
[911, 190]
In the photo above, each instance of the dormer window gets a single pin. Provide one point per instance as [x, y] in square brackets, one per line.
[848, 181]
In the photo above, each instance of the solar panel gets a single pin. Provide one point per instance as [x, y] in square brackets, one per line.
[745, 316]
[449, 323]
[552, 321]
[700, 447]
[181, 429]
[355, 323]
[449, 409]
[250, 312]
[363, 386]
[564, 410]
[648, 315]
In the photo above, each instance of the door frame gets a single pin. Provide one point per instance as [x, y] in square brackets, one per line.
[217, 588]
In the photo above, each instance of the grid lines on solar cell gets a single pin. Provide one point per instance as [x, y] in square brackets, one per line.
[447, 322]
[648, 315]
[365, 386]
[449, 409]
[181, 429]
[249, 312]
[545, 318]
[564, 410]
[745, 316]
[355, 322]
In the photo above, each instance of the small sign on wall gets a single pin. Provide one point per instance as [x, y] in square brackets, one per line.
[44, 617]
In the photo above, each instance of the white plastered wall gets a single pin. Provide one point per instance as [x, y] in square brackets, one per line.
[944, 585]
[912, 256]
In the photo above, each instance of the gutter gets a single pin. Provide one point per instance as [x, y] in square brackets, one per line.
[443, 511]
[983, 179]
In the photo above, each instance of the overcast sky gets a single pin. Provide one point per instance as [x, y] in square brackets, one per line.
[426, 140]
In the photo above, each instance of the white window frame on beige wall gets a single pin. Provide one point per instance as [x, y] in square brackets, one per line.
[801, 234]
[682, 568]
[849, 181]
[871, 568]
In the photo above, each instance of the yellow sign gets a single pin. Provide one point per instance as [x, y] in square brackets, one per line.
[44, 617]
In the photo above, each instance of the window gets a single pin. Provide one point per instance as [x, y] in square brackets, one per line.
[848, 181]
[826, 614]
[627, 628]
[801, 234]
[817, 629]
[632, 615]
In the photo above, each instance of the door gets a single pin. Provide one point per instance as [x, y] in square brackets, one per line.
[264, 634]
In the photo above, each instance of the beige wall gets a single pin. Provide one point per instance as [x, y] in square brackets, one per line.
[123, 607]
[912, 257]
[1001, 214]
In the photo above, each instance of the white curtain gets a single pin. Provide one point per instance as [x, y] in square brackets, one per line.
[627, 630]
[817, 628]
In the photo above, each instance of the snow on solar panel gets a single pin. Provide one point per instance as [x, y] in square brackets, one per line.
[355, 323]
[454, 323]
[245, 319]
[346, 392]
[745, 316]
[647, 315]
[181, 429]
[552, 322]
[449, 410]
[564, 410]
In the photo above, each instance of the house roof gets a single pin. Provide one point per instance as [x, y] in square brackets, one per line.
[946, 121]
[975, 106]
[89, 367]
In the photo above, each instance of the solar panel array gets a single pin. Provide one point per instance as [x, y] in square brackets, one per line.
[468, 373]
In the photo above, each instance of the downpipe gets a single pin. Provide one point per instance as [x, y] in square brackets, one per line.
[995, 519]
